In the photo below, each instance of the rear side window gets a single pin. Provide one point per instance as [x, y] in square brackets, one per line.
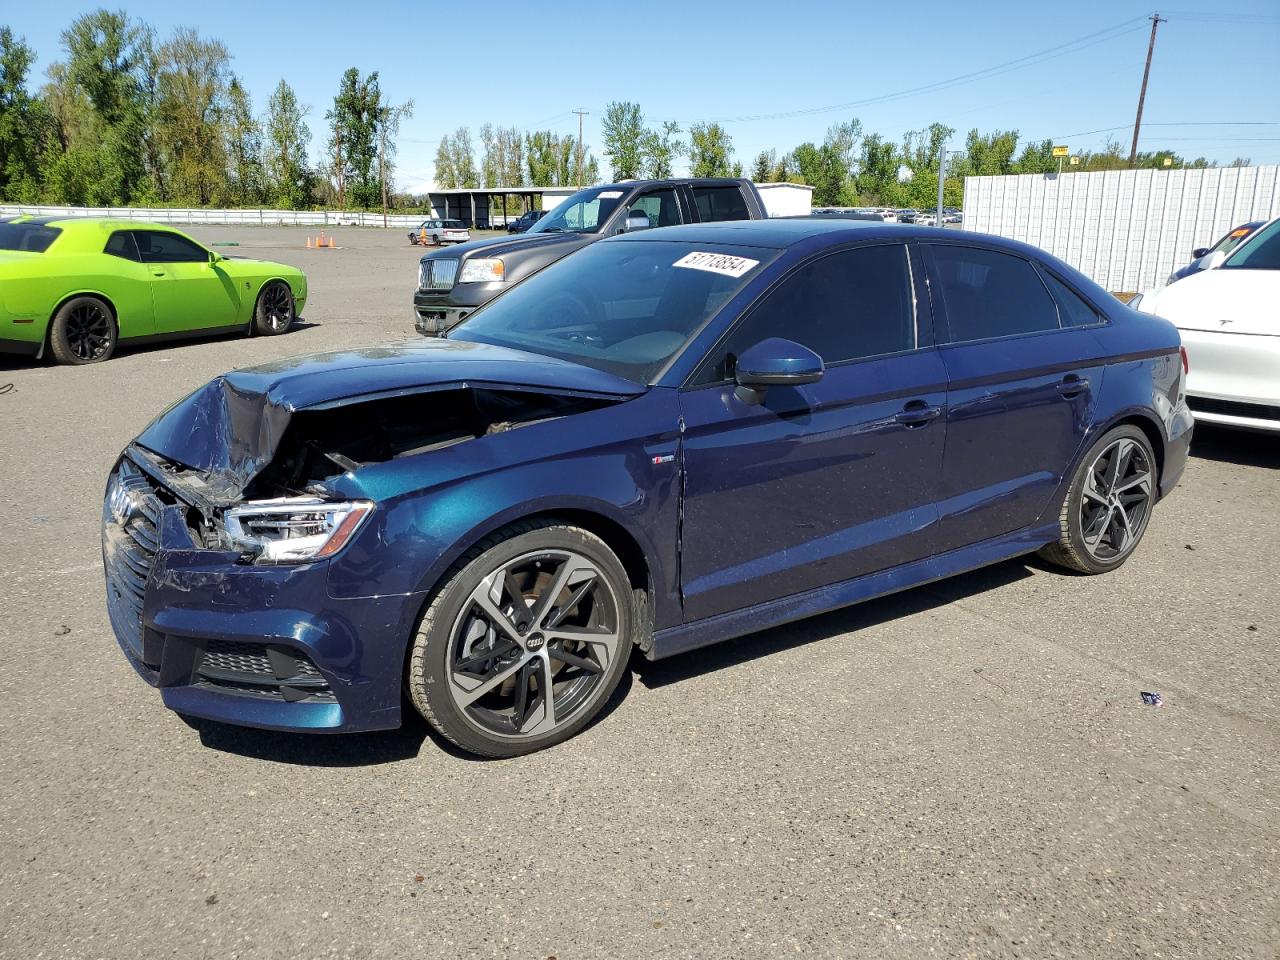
[846, 306]
[720, 203]
[121, 245]
[991, 294]
[27, 237]
[1072, 310]
[156, 246]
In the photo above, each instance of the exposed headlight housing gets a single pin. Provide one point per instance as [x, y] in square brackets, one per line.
[295, 529]
[482, 270]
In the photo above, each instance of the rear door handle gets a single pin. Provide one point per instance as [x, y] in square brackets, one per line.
[917, 413]
[1073, 386]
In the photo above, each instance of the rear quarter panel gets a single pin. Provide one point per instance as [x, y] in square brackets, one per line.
[44, 284]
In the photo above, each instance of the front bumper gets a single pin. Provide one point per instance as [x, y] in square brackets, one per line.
[260, 646]
[438, 311]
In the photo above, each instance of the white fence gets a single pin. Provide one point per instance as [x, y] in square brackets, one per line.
[196, 217]
[1127, 229]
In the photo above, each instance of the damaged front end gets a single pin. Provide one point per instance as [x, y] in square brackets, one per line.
[221, 519]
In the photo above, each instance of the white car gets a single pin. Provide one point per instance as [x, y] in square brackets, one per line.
[1230, 324]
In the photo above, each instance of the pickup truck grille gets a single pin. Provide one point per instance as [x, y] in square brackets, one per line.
[437, 273]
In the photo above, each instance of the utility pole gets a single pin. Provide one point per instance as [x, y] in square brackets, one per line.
[581, 114]
[1156, 20]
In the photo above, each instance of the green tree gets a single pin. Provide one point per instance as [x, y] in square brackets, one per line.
[661, 147]
[193, 82]
[542, 158]
[352, 148]
[763, 165]
[389, 119]
[624, 139]
[243, 136]
[463, 158]
[989, 154]
[710, 151]
[1036, 157]
[25, 123]
[288, 175]
[446, 178]
[877, 178]
[111, 150]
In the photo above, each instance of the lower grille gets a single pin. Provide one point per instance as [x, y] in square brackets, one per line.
[130, 539]
[259, 670]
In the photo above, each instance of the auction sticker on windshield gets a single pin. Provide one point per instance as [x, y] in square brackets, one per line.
[723, 263]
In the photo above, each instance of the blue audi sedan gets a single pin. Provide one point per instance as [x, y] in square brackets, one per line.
[672, 438]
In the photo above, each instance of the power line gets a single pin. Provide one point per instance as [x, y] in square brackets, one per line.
[1063, 49]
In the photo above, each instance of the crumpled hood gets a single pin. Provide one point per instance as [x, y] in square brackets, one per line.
[230, 428]
[505, 246]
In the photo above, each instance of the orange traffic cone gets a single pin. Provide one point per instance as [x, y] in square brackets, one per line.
[308, 242]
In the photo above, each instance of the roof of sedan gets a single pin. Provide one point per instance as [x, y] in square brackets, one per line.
[778, 233]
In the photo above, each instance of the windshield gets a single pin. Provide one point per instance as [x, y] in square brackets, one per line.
[1232, 240]
[623, 307]
[26, 236]
[584, 212]
[1261, 252]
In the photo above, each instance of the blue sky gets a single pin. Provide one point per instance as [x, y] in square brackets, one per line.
[767, 71]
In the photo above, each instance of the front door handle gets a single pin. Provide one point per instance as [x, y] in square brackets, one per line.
[157, 273]
[1072, 386]
[917, 413]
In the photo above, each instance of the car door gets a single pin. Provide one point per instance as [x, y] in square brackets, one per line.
[1021, 390]
[129, 286]
[825, 482]
[187, 291]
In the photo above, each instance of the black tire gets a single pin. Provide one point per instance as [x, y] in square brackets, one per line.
[1108, 505]
[83, 331]
[458, 641]
[275, 310]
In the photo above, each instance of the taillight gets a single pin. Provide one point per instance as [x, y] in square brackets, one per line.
[1186, 364]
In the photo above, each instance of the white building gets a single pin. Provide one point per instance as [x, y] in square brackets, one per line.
[786, 199]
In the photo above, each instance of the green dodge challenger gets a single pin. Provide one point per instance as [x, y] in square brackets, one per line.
[76, 287]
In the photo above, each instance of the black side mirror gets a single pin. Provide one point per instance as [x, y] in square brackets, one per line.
[775, 363]
[1199, 252]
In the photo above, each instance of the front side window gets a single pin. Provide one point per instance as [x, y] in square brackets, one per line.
[1261, 252]
[120, 244]
[848, 305]
[659, 206]
[156, 246]
[720, 203]
[991, 294]
[625, 307]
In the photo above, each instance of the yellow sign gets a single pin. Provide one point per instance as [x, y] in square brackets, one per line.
[1075, 161]
[1060, 151]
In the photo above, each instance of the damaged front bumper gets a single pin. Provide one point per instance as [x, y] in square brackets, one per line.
[230, 640]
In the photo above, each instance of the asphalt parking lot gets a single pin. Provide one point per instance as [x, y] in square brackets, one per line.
[963, 770]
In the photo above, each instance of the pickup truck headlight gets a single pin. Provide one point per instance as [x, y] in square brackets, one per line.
[482, 270]
[295, 529]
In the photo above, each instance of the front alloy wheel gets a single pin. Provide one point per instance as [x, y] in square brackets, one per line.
[525, 643]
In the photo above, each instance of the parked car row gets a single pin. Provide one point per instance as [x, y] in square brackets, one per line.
[890, 215]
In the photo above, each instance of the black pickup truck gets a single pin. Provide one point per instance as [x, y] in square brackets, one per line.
[454, 283]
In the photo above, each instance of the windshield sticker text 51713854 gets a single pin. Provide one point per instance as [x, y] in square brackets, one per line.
[723, 263]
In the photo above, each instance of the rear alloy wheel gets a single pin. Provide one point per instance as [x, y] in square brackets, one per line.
[1109, 503]
[83, 331]
[525, 643]
[275, 311]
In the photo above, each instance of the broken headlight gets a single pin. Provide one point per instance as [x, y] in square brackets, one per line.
[294, 529]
